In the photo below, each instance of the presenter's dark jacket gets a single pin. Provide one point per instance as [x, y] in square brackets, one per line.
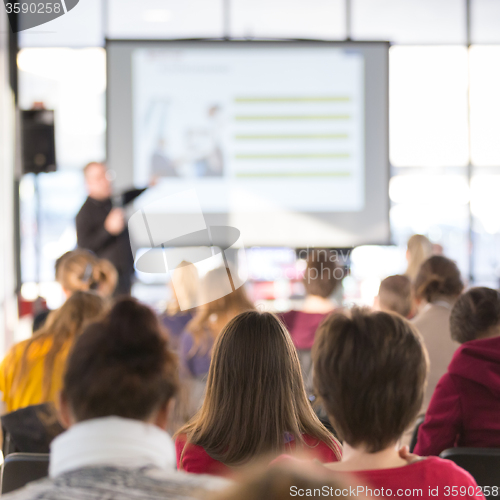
[92, 236]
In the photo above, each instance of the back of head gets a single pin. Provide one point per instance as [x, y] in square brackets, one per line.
[475, 315]
[255, 393]
[81, 270]
[370, 372]
[395, 295]
[438, 277]
[323, 273]
[120, 366]
[418, 250]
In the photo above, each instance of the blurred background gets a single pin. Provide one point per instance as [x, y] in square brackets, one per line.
[444, 127]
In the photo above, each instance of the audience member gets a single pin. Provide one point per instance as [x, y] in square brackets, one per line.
[370, 371]
[185, 289]
[437, 286]
[32, 371]
[81, 270]
[321, 278]
[197, 340]
[466, 403]
[395, 295]
[255, 402]
[419, 249]
[119, 381]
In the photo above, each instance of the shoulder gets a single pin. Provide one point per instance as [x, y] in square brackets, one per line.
[186, 340]
[193, 458]
[288, 317]
[83, 209]
[322, 451]
[197, 482]
[451, 473]
[15, 352]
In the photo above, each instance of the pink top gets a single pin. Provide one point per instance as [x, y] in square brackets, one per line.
[302, 327]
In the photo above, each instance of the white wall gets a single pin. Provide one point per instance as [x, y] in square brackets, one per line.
[8, 304]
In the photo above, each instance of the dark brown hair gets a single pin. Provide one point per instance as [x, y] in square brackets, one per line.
[255, 394]
[121, 366]
[395, 294]
[63, 326]
[474, 314]
[323, 273]
[438, 277]
[370, 372]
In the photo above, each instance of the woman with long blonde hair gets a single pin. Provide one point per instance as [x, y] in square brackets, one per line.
[255, 402]
[81, 270]
[419, 249]
[32, 371]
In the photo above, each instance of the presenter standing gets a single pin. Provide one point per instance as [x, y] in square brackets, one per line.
[101, 225]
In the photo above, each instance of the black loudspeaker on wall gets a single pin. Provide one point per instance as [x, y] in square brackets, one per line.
[38, 141]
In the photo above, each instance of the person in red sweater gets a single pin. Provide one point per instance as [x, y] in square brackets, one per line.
[465, 407]
[322, 277]
[255, 402]
[370, 370]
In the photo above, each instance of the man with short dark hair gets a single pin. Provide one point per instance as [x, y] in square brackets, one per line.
[101, 226]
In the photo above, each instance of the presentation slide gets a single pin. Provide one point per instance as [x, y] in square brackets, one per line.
[287, 141]
[252, 125]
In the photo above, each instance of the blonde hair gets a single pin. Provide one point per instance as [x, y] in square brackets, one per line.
[419, 249]
[81, 270]
[185, 288]
[213, 316]
[62, 326]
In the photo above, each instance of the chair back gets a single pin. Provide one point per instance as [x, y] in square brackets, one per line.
[19, 469]
[483, 464]
[418, 423]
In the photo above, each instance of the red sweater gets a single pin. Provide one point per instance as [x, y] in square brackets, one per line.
[432, 474]
[465, 407]
[198, 461]
[429, 479]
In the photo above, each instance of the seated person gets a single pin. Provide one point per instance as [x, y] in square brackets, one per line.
[395, 295]
[119, 381]
[255, 402]
[179, 312]
[81, 271]
[32, 371]
[418, 250]
[436, 288]
[465, 407]
[370, 370]
[197, 340]
[321, 279]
